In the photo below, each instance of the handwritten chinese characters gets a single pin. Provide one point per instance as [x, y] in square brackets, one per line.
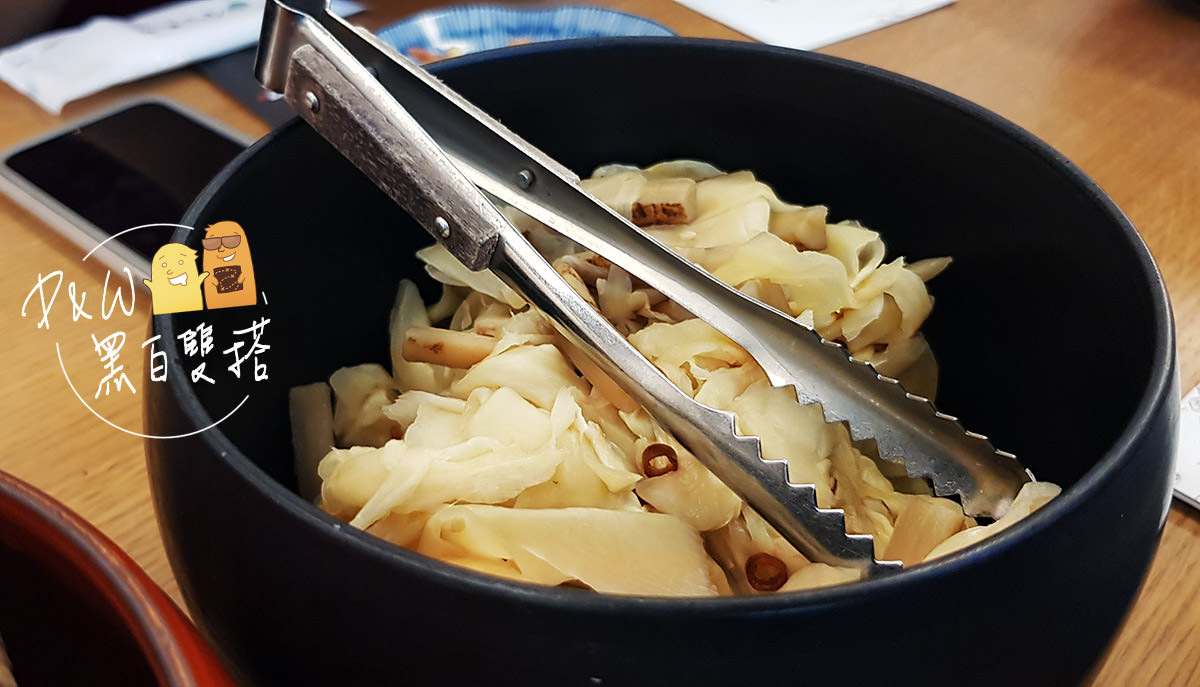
[109, 349]
[247, 345]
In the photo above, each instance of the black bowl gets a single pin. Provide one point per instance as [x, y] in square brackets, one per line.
[1052, 328]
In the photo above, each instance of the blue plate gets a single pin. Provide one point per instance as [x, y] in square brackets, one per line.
[459, 30]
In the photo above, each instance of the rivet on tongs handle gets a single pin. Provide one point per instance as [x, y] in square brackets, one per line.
[341, 109]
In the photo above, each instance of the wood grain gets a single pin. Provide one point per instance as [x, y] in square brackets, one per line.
[1113, 84]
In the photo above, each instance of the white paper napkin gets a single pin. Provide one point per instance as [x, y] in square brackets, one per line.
[57, 67]
[1187, 463]
[810, 24]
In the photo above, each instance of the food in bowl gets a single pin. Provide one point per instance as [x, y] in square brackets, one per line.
[496, 445]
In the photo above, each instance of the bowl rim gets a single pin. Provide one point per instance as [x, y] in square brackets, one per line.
[109, 571]
[462, 580]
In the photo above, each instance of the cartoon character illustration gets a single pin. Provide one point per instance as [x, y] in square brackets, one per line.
[174, 284]
[227, 256]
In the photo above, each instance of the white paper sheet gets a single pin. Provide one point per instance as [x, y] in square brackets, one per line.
[57, 67]
[810, 24]
[1187, 465]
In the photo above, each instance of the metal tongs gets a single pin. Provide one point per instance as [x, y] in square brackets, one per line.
[441, 158]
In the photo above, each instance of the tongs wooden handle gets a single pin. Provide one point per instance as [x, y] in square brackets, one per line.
[435, 151]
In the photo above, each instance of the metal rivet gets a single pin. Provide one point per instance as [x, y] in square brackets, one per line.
[373, 72]
[310, 98]
[443, 227]
[525, 178]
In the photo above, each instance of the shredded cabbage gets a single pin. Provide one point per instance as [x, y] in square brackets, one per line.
[531, 464]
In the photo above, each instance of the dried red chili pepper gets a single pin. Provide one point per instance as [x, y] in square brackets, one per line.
[659, 459]
[765, 572]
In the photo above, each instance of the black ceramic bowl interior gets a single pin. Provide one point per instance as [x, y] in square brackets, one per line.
[1052, 329]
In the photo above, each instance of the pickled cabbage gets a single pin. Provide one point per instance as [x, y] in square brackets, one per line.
[517, 457]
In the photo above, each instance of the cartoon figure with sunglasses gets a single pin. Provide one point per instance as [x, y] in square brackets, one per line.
[227, 259]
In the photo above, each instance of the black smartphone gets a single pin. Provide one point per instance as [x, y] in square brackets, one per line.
[139, 163]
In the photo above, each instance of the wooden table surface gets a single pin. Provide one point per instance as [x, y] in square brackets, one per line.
[1112, 84]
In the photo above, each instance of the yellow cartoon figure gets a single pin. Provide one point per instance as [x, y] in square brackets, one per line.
[227, 256]
[174, 284]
